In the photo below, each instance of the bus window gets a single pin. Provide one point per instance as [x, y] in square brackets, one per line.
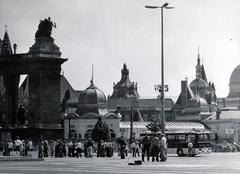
[203, 137]
[181, 138]
[191, 137]
[171, 137]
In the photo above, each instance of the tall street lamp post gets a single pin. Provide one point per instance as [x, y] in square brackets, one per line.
[162, 87]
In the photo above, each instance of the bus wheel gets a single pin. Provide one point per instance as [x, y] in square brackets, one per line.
[180, 152]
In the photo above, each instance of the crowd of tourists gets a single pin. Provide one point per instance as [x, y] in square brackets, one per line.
[20, 147]
[74, 148]
[153, 146]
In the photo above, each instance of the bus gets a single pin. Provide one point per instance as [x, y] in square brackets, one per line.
[178, 139]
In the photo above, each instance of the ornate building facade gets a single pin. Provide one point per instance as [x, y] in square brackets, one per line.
[196, 101]
[91, 105]
[126, 102]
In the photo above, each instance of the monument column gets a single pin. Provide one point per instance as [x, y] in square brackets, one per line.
[44, 82]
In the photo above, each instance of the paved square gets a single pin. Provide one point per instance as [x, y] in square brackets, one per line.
[215, 163]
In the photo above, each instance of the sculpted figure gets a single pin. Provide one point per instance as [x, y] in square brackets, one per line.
[45, 28]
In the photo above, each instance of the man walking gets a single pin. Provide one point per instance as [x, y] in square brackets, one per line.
[155, 148]
[145, 147]
[163, 147]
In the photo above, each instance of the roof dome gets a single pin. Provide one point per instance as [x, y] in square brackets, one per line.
[235, 76]
[198, 82]
[197, 101]
[196, 105]
[234, 86]
[92, 99]
[91, 95]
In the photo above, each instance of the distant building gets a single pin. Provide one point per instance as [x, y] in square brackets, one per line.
[196, 101]
[225, 124]
[126, 101]
[233, 98]
[90, 106]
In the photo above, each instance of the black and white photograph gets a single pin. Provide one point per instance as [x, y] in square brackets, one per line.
[119, 86]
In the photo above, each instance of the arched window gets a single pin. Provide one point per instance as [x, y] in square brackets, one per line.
[112, 134]
[88, 133]
[73, 134]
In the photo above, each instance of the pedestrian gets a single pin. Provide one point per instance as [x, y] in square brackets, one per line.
[190, 149]
[10, 146]
[30, 144]
[155, 147]
[138, 149]
[26, 148]
[89, 148]
[133, 148]
[52, 148]
[145, 147]
[17, 144]
[70, 147]
[78, 147]
[40, 148]
[122, 144]
[163, 147]
[107, 147]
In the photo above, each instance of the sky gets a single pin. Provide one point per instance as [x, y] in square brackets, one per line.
[109, 33]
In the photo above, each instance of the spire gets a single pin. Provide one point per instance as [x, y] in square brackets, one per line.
[198, 59]
[91, 81]
[198, 67]
[6, 29]
[6, 48]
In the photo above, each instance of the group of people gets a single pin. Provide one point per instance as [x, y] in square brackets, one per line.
[63, 148]
[74, 148]
[105, 149]
[22, 147]
[156, 146]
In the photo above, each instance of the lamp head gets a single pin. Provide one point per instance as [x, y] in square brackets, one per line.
[150, 6]
[165, 4]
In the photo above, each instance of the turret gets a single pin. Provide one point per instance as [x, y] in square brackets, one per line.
[6, 48]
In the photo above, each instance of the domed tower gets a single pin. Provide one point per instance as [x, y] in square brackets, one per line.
[234, 84]
[196, 105]
[199, 85]
[125, 88]
[92, 100]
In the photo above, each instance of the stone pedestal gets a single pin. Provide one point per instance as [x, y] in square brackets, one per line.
[43, 47]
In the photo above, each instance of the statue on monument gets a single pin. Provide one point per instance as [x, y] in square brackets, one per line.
[45, 28]
[44, 43]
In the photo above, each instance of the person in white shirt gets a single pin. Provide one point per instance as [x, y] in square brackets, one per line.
[10, 145]
[17, 144]
[163, 148]
[78, 147]
[133, 147]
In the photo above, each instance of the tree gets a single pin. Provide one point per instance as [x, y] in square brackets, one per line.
[154, 126]
[100, 131]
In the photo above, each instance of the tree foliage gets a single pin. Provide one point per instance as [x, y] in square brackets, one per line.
[100, 131]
